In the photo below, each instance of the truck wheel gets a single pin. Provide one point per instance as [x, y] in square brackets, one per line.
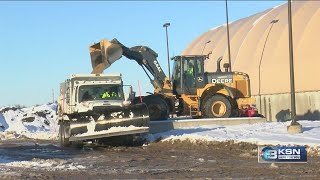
[157, 107]
[217, 106]
[64, 140]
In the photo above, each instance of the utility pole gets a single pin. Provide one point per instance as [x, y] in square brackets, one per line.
[228, 35]
[295, 127]
[166, 25]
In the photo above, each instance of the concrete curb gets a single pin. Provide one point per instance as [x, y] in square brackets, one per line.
[162, 126]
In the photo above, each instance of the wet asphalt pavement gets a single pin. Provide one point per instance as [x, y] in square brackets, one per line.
[30, 159]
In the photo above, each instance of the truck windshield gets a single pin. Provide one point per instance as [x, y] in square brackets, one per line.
[100, 92]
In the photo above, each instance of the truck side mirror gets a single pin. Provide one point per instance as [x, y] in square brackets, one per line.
[130, 90]
[132, 94]
[129, 93]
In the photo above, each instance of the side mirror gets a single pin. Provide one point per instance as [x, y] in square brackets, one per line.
[129, 95]
[130, 90]
[226, 67]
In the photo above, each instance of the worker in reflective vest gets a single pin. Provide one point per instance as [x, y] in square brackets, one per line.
[107, 94]
[190, 71]
[114, 94]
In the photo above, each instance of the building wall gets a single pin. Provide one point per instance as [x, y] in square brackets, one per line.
[276, 107]
[259, 47]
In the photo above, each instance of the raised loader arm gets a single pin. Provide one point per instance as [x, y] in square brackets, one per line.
[104, 53]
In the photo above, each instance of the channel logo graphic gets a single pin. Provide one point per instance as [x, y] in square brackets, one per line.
[282, 154]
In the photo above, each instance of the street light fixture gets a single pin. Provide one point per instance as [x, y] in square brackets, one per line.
[166, 25]
[204, 46]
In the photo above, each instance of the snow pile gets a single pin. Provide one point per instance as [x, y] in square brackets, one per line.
[261, 133]
[48, 164]
[38, 122]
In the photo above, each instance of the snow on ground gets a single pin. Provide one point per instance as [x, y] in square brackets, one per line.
[37, 122]
[272, 133]
[35, 163]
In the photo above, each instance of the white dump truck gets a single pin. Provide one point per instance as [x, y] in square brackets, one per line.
[94, 106]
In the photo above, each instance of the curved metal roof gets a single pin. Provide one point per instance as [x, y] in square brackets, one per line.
[259, 47]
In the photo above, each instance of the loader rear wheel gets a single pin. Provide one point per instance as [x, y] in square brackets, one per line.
[157, 107]
[217, 106]
[64, 139]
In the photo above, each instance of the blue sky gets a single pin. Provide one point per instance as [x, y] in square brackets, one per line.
[43, 43]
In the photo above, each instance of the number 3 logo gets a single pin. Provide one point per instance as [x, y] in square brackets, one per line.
[272, 154]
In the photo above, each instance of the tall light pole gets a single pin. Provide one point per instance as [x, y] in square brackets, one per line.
[264, 46]
[166, 25]
[228, 36]
[295, 127]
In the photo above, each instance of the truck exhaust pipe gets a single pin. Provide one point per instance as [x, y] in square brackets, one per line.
[103, 54]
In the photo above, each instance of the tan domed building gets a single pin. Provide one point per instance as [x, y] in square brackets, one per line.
[259, 47]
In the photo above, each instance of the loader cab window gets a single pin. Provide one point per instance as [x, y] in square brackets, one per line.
[189, 72]
[100, 92]
[176, 74]
[193, 74]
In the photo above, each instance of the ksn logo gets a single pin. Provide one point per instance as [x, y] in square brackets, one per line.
[289, 154]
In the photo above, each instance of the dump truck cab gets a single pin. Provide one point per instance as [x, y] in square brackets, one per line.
[90, 104]
[98, 92]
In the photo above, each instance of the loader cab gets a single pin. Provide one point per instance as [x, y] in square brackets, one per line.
[188, 74]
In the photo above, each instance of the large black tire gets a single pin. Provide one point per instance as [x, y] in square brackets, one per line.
[157, 107]
[64, 140]
[217, 106]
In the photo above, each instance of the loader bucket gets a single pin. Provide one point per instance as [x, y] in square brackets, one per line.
[122, 121]
[103, 54]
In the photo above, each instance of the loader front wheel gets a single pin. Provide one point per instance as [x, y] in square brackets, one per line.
[218, 106]
[157, 107]
[63, 137]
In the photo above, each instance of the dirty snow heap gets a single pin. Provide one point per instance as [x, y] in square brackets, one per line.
[37, 122]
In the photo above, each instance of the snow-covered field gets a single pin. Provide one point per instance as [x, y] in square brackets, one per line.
[273, 133]
[38, 122]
